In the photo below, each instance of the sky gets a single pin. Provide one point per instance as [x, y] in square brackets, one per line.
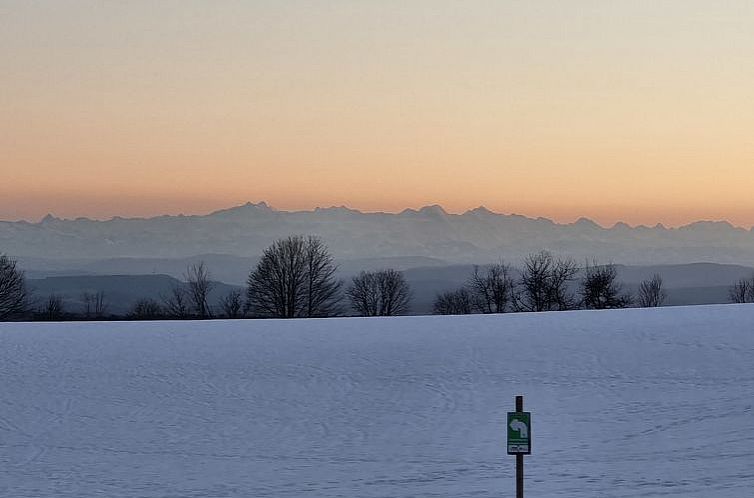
[640, 111]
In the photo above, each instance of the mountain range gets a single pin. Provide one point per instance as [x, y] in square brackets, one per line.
[476, 236]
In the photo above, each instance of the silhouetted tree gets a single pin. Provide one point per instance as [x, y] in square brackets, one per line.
[232, 304]
[175, 304]
[13, 293]
[545, 284]
[322, 289]
[395, 293]
[742, 291]
[379, 293]
[199, 286]
[457, 302]
[491, 290]
[364, 294]
[53, 309]
[651, 292]
[600, 289]
[563, 273]
[294, 278]
[535, 283]
[146, 309]
[94, 304]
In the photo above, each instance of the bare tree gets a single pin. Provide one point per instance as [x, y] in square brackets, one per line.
[535, 283]
[364, 294]
[199, 286]
[379, 293]
[395, 293]
[492, 289]
[294, 278]
[600, 289]
[742, 291]
[94, 304]
[146, 309]
[175, 304]
[53, 309]
[457, 302]
[13, 293]
[545, 283]
[232, 304]
[563, 273]
[651, 292]
[321, 289]
[275, 286]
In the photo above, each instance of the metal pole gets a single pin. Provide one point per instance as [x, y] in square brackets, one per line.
[519, 457]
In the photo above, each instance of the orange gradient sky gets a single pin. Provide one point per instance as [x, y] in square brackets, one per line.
[641, 111]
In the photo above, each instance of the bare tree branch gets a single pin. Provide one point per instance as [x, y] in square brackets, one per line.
[199, 286]
[742, 291]
[176, 304]
[545, 282]
[600, 289]
[492, 289]
[146, 309]
[232, 304]
[457, 302]
[53, 309]
[651, 292]
[13, 292]
[379, 293]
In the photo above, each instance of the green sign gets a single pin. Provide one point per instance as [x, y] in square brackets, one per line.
[519, 433]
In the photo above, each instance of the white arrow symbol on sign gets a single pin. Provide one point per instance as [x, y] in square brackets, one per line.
[520, 427]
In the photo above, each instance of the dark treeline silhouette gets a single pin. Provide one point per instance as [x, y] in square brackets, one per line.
[296, 278]
[457, 302]
[146, 309]
[379, 293]
[742, 291]
[545, 283]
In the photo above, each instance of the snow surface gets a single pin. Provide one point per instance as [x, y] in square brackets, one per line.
[624, 404]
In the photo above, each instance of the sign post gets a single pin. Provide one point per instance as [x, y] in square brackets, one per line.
[519, 441]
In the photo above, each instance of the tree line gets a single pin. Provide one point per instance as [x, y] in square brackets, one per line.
[296, 277]
[742, 291]
[546, 283]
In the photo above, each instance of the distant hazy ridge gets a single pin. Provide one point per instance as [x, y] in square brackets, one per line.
[477, 235]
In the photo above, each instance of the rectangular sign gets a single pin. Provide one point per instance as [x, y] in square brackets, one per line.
[519, 433]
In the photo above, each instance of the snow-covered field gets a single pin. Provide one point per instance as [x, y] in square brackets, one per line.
[624, 404]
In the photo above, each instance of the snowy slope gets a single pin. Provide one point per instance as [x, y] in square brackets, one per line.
[625, 404]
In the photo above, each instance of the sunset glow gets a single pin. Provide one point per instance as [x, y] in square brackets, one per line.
[633, 111]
